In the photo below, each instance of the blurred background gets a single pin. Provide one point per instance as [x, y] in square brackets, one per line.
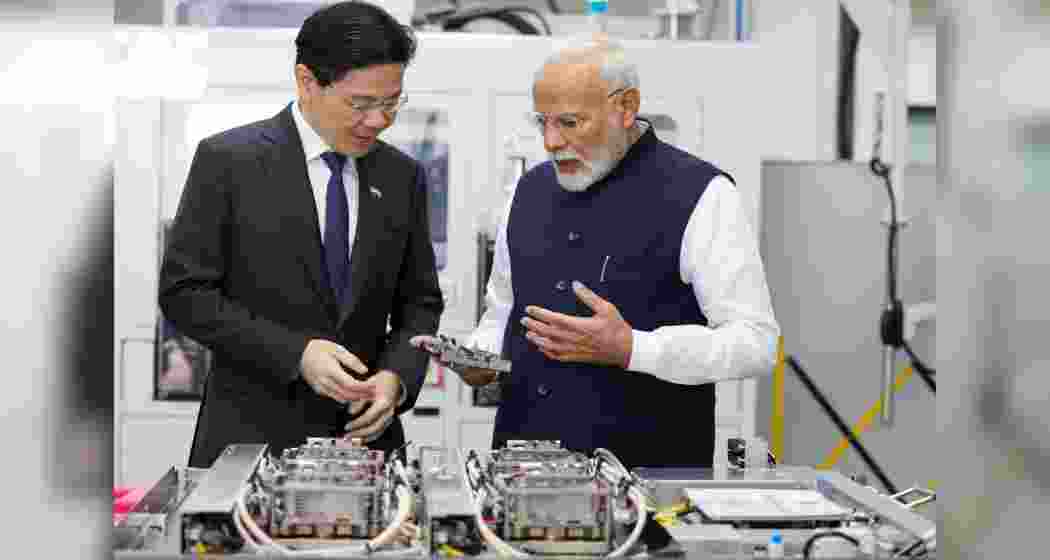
[992, 265]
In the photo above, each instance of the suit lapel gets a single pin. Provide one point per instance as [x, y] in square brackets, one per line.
[369, 226]
[286, 165]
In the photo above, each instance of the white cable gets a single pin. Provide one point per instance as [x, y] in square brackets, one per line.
[404, 511]
[491, 538]
[639, 506]
[249, 542]
[400, 469]
[498, 544]
[615, 473]
[241, 511]
[609, 457]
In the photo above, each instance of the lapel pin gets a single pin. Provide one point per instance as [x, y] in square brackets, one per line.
[376, 192]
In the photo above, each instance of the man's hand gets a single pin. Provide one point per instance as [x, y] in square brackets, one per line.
[322, 369]
[602, 339]
[473, 376]
[378, 411]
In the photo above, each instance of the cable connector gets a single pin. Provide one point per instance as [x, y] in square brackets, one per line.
[891, 325]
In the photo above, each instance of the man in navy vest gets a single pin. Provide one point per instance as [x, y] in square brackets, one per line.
[637, 281]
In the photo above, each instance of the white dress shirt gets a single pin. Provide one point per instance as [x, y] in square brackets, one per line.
[720, 260]
[314, 146]
[317, 169]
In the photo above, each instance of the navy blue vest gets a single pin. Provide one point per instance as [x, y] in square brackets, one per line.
[622, 238]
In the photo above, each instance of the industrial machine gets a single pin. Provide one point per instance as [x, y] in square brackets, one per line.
[335, 498]
[543, 498]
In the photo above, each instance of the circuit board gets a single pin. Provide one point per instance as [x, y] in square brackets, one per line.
[447, 351]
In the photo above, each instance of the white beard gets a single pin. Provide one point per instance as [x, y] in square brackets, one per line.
[606, 159]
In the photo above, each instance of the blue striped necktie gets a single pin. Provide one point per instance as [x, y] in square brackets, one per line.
[337, 229]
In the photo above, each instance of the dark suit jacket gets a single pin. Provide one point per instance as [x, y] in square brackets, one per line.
[243, 274]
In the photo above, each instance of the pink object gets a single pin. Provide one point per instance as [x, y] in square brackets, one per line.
[124, 500]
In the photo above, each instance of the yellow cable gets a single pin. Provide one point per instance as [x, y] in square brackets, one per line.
[776, 428]
[667, 516]
[865, 421]
[448, 550]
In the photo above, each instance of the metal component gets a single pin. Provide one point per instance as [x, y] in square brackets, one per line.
[219, 488]
[843, 490]
[207, 514]
[448, 510]
[552, 499]
[448, 351]
[154, 523]
[889, 365]
[517, 450]
[327, 488]
[666, 485]
[914, 497]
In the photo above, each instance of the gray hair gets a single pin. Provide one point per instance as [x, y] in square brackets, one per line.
[609, 56]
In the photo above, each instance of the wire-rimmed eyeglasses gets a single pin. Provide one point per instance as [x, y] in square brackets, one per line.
[566, 122]
[387, 106]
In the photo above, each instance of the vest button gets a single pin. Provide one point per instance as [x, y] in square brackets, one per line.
[574, 236]
[543, 390]
[561, 285]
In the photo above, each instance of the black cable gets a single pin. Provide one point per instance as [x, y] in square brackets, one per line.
[807, 548]
[892, 320]
[507, 15]
[882, 170]
[553, 5]
[924, 372]
[842, 426]
[539, 16]
[917, 363]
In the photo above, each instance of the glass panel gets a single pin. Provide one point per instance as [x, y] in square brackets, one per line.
[423, 134]
[922, 132]
[1032, 145]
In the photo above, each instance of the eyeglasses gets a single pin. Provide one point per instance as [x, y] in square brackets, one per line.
[387, 106]
[567, 122]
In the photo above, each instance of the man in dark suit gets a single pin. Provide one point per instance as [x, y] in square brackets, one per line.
[298, 240]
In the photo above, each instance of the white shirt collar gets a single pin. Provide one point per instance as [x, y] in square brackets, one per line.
[313, 144]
